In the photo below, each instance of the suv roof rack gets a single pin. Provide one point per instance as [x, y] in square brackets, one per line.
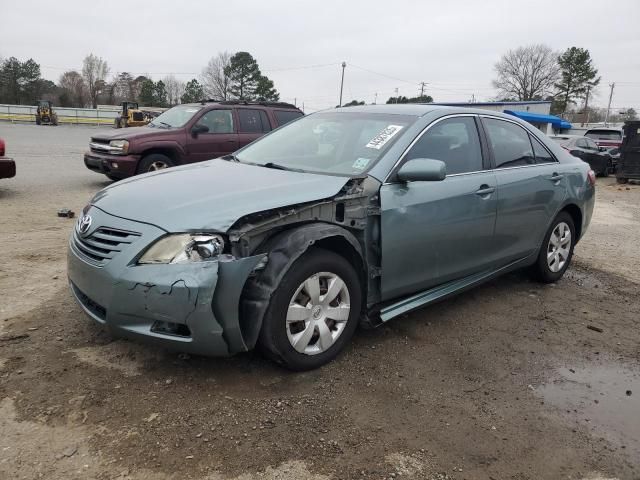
[246, 102]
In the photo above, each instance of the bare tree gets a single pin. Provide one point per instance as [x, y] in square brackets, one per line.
[174, 88]
[527, 73]
[94, 71]
[73, 84]
[214, 79]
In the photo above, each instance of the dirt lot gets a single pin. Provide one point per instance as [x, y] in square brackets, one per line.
[505, 381]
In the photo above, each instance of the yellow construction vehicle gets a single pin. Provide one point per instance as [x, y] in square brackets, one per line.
[131, 116]
[45, 114]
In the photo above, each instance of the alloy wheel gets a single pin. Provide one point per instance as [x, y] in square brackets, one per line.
[559, 247]
[157, 166]
[318, 313]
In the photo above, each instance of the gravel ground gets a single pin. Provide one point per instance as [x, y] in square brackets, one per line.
[511, 380]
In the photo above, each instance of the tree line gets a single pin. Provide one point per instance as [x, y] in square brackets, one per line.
[226, 77]
[537, 72]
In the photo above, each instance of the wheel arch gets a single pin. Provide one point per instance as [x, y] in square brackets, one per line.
[170, 152]
[576, 215]
[283, 249]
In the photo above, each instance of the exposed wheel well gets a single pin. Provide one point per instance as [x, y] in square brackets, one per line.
[576, 216]
[342, 247]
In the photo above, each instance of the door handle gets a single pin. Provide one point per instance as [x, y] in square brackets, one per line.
[556, 177]
[485, 190]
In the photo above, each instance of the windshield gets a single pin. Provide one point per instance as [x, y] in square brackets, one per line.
[176, 116]
[604, 134]
[333, 142]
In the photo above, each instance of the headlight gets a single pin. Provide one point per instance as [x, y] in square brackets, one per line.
[184, 248]
[119, 146]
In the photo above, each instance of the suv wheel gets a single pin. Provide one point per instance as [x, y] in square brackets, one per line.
[313, 313]
[153, 162]
[556, 250]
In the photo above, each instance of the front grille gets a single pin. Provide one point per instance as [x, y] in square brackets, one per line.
[103, 244]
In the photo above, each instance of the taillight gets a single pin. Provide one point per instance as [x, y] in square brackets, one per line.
[1, 148]
[591, 177]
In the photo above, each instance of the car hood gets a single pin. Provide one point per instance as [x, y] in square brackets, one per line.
[212, 195]
[127, 133]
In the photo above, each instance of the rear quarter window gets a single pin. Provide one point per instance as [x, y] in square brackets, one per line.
[286, 116]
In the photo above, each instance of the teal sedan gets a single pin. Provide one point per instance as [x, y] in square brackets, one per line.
[346, 217]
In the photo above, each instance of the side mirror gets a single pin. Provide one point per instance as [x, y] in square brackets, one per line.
[422, 170]
[198, 128]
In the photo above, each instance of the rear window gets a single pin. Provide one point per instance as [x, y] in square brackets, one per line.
[285, 116]
[604, 134]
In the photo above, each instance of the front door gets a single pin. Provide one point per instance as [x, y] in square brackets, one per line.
[434, 232]
[221, 139]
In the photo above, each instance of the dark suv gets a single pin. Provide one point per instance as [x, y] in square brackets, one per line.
[185, 134]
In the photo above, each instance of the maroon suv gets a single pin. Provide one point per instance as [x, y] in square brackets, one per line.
[185, 134]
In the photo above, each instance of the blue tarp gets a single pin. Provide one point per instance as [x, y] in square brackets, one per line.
[539, 118]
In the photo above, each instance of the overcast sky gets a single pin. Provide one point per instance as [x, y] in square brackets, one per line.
[451, 45]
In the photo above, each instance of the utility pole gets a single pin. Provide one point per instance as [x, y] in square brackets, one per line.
[586, 106]
[295, 102]
[606, 117]
[344, 64]
[396, 90]
[375, 98]
[422, 84]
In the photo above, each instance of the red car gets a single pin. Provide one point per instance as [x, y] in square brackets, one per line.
[7, 165]
[605, 138]
[185, 134]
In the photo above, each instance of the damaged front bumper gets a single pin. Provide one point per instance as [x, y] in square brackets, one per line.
[190, 307]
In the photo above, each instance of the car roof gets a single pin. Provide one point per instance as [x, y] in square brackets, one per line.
[418, 110]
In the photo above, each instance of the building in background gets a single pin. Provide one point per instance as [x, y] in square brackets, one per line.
[534, 112]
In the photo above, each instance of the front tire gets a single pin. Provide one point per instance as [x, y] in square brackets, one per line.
[556, 251]
[153, 162]
[313, 313]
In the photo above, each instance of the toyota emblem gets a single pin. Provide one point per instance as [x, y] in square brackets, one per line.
[84, 223]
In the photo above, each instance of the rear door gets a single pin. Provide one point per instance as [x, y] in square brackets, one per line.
[221, 138]
[252, 124]
[433, 232]
[531, 187]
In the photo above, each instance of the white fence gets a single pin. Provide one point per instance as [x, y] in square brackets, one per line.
[78, 116]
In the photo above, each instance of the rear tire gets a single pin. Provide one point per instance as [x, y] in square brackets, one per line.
[622, 180]
[153, 162]
[556, 253]
[116, 123]
[38, 121]
[321, 328]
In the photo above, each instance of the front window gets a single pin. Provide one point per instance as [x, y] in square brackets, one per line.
[217, 121]
[176, 117]
[454, 141]
[331, 142]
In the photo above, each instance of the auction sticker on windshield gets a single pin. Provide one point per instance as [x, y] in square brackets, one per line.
[383, 137]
